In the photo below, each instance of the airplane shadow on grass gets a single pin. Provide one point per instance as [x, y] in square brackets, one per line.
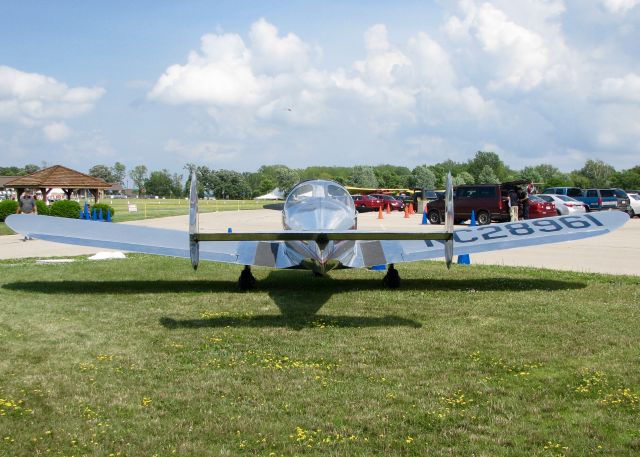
[298, 295]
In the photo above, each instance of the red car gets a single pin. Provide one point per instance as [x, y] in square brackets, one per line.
[366, 203]
[541, 208]
[393, 202]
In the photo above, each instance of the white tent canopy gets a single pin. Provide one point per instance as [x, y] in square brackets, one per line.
[275, 194]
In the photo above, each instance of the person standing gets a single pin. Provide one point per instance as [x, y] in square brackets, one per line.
[27, 205]
[513, 205]
[524, 200]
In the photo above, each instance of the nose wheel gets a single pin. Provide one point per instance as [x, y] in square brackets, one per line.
[246, 280]
[392, 278]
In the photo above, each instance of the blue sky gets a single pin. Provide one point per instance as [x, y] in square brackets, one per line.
[241, 84]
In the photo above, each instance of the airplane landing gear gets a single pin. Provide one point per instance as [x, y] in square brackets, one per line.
[247, 280]
[392, 278]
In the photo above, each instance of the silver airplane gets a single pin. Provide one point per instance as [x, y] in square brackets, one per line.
[319, 234]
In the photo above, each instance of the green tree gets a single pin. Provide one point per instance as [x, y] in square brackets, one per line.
[176, 183]
[484, 159]
[317, 172]
[465, 177]
[266, 185]
[160, 183]
[31, 168]
[363, 176]
[139, 175]
[229, 184]
[530, 174]
[119, 172]
[487, 176]
[286, 178]
[103, 172]
[440, 170]
[422, 177]
[579, 180]
[628, 179]
[551, 176]
[391, 176]
[12, 171]
[598, 173]
[253, 180]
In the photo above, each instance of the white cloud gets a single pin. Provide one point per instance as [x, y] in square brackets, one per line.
[32, 99]
[619, 127]
[623, 90]
[272, 54]
[221, 75]
[620, 6]
[203, 152]
[274, 81]
[520, 54]
[56, 131]
[499, 72]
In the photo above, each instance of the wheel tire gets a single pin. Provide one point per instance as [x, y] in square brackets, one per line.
[631, 213]
[484, 218]
[434, 217]
[392, 279]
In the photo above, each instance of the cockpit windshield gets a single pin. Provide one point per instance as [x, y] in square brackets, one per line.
[319, 189]
[319, 205]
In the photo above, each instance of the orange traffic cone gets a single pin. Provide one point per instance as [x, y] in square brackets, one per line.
[388, 208]
[380, 216]
[406, 213]
[411, 209]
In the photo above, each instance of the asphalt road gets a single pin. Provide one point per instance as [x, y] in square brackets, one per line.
[615, 253]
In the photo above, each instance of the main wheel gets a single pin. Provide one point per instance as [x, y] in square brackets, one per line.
[392, 278]
[434, 216]
[484, 218]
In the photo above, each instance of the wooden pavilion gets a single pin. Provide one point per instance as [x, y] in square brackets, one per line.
[58, 176]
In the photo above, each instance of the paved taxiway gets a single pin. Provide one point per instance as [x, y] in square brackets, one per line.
[616, 253]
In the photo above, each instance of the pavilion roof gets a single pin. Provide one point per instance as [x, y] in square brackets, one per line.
[6, 179]
[59, 176]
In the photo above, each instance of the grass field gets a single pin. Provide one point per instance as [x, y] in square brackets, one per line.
[151, 208]
[145, 357]
[4, 230]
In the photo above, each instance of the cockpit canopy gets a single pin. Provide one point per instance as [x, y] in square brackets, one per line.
[319, 205]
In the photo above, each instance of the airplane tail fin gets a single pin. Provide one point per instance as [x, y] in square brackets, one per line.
[194, 247]
[448, 220]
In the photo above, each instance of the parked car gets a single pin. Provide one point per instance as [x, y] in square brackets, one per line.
[539, 207]
[489, 201]
[366, 202]
[565, 205]
[599, 199]
[623, 200]
[596, 199]
[634, 204]
[389, 200]
[568, 191]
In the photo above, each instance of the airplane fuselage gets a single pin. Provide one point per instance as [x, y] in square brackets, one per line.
[320, 205]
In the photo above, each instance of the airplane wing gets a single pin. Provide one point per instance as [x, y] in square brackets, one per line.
[492, 237]
[268, 248]
[147, 240]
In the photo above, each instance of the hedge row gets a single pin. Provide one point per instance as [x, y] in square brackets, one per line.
[61, 208]
[7, 207]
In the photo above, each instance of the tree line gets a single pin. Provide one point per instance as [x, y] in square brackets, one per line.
[485, 167]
